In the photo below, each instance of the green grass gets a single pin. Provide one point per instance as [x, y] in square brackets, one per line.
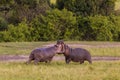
[95, 48]
[98, 48]
[60, 71]
[104, 51]
[20, 47]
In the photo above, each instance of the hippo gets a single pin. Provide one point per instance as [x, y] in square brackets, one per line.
[44, 54]
[76, 54]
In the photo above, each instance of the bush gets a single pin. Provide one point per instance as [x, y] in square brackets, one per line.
[55, 25]
[21, 32]
[116, 30]
[100, 28]
[3, 24]
[88, 7]
[1, 36]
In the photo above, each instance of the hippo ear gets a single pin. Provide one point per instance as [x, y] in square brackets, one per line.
[66, 47]
[60, 41]
[55, 45]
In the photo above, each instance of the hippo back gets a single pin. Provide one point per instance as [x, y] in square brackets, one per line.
[45, 52]
[80, 52]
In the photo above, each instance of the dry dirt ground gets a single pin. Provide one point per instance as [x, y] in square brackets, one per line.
[23, 58]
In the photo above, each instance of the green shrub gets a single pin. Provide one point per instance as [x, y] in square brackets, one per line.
[1, 36]
[55, 25]
[21, 32]
[88, 7]
[100, 28]
[116, 30]
[3, 24]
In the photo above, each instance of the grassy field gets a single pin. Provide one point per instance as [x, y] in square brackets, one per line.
[20, 47]
[98, 48]
[60, 71]
[95, 48]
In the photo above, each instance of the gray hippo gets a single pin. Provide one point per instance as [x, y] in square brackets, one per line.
[44, 54]
[76, 54]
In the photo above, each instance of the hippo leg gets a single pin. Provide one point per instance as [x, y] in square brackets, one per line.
[36, 61]
[67, 59]
[90, 61]
[81, 61]
[28, 61]
[49, 60]
[31, 57]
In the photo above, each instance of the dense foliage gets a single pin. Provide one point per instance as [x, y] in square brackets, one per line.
[88, 7]
[39, 20]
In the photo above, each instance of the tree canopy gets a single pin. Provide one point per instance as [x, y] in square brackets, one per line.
[39, 20]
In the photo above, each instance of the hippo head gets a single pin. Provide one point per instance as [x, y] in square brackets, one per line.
[65, 49]
[61, 43]
[58, 48]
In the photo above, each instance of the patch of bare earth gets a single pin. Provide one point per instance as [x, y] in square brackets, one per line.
[23, 58]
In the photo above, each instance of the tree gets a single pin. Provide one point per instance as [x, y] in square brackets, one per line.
[21, 32]
[99, 28]
[3, 24]
[14, 11]
[29, 9]
[55, 25]
[88, 7]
